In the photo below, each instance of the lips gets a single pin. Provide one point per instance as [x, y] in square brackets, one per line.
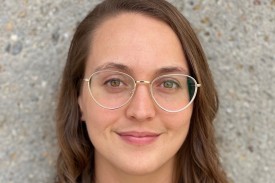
[138, 138]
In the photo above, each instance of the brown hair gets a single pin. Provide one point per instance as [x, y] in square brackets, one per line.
[197, 159]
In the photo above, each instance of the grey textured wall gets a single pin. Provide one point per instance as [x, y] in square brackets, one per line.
[238, 37]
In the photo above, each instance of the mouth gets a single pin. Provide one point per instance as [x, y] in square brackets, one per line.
[138, 138]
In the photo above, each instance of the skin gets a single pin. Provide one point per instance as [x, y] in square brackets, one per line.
[144, 46]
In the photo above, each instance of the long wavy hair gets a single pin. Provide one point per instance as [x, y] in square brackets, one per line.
[197, 159]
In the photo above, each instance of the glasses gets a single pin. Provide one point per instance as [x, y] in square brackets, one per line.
[114, 89]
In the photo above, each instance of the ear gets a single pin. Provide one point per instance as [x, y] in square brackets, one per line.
[81, 107]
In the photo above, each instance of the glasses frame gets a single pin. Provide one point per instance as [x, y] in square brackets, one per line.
[136, 82]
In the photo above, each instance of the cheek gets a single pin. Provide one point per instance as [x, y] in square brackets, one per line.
[99, 121]
[177, 126]
[94, 115]
[177, 121]
[96, 118]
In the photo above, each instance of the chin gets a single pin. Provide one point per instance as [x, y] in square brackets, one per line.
[139, 167]
[139, 170]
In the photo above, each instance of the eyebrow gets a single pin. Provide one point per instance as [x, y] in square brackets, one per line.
[125, 68]
[112, 65]
[171, 69]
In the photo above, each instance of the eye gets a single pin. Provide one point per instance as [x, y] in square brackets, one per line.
[170, 84]
[113, 82]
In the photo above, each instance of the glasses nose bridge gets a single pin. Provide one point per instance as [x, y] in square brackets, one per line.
[143, 82]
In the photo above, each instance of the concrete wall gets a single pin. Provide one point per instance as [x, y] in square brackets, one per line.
[238, 37]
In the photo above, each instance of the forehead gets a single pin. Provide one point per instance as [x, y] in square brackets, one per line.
[140, 42]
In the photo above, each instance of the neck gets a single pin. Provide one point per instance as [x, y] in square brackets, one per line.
[132, 179]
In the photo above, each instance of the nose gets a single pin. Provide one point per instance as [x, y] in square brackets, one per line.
[141, 106]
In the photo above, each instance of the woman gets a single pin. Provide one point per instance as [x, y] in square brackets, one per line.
[137, 99]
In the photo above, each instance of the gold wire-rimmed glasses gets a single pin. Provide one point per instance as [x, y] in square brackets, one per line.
[114, 89]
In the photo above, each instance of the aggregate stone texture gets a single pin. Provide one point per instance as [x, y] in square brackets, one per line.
[239, 40]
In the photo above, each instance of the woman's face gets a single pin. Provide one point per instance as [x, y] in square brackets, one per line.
[138, 138]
